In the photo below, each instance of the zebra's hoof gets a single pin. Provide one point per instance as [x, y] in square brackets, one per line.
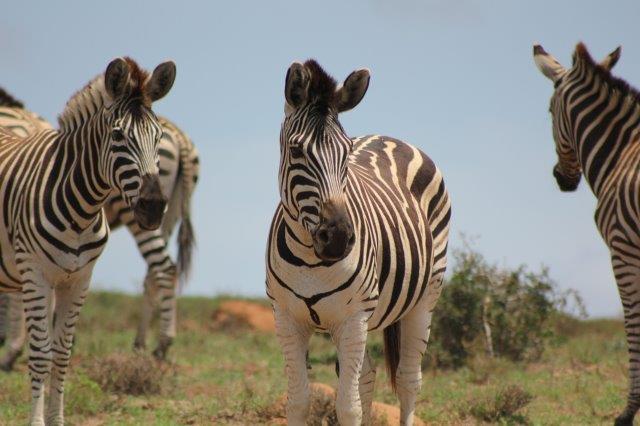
[624, 419]
[139, 347]
[2, 340]
[160, 353]
[6, 367]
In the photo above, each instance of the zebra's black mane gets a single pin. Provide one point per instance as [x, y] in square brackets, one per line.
[322, 87]
[614, 83]
[6, 100]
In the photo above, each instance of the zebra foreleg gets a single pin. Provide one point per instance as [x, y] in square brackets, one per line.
[366, 387]
[16, 332]
[351, 339]
[166, 283]
[36, 293]
[69, 301]
[148, 304]
[294, 341]
[414, 334]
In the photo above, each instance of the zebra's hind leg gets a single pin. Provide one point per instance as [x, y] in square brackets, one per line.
[16, 333]
[69, 301]
[414, 334]
[628, 280]
[4, 307]
[294, 341]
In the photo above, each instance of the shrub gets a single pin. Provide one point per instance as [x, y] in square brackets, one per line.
[504, 405]
[504, 312]
[133, 374]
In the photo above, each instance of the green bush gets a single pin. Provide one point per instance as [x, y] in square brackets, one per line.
[509, 313]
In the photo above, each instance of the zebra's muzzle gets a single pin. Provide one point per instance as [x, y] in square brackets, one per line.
[151, 204]
[566, 184]
[334, 237]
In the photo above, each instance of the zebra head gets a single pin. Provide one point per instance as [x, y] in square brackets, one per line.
[134, 133]
[567, 171]
[314, 155]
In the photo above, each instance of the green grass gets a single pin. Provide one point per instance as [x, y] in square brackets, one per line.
[235, 376]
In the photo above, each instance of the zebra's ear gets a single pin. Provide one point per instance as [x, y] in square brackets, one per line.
[296, 86]
[161, 80]
[612, 59]
[353, 90]
[547, 64]
[116, 78]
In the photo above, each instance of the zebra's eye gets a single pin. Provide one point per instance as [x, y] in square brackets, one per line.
[117, 135]
[296, 151]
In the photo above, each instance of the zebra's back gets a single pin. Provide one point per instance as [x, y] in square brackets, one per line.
[21, 122]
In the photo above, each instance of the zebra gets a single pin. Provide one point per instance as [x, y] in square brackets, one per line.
[54, 184]
[179, 166]
[596, 122]
[358, 242]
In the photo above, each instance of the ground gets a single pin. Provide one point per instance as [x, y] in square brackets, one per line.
[221, 372]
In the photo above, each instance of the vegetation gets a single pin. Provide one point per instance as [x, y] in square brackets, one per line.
[235, 376]
[503, 350]
[508, 313]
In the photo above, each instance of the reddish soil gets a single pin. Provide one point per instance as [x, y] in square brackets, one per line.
[323, 409]
[234, 313]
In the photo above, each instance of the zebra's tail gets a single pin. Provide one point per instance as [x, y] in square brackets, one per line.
[392, 351]
[188, 173]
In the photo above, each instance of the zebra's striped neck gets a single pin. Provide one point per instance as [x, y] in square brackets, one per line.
[77, 198]
[604, 118]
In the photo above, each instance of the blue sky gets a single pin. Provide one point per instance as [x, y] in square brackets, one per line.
[455, 78]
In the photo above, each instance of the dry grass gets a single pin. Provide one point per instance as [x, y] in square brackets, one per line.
[504, 405]
[130, 373]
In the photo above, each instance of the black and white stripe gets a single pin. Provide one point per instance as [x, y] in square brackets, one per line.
[179, 166]
[179, 171]
[596, 122]
[358, 243]
[52, 226]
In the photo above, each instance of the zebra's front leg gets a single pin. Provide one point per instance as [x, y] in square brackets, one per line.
[294, 341]
[414, 335]
[148, 304]
[16, 332]
[166, 283]
[351, 339]
[366, 387]
[69, 301]
[36, 293]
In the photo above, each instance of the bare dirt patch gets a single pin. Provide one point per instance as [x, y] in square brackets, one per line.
[323, 410]
[237, 314]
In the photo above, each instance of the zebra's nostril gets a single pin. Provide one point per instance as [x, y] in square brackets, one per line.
[352, 240]
[323, 236]
[142, 203]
